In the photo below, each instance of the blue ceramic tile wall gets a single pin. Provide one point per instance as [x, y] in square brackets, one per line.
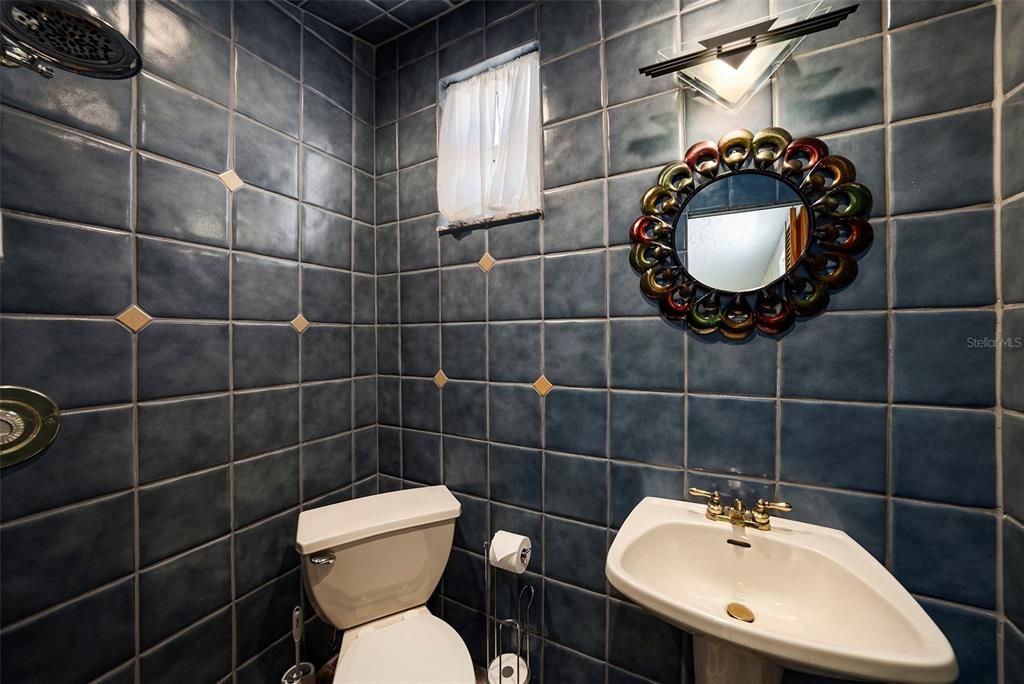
[170, 496]
[1011, 220]
[880, 417]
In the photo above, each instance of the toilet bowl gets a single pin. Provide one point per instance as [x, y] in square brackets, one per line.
[369, 565]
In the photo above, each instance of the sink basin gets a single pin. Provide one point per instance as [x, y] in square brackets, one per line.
[819, 601]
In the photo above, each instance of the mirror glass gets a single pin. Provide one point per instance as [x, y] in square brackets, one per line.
[742, 232]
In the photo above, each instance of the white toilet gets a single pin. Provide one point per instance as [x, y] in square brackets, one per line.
[369, 566]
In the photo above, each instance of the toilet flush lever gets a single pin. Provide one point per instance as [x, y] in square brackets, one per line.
[322, 558]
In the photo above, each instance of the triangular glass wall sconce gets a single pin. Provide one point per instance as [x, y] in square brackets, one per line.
[731, 66]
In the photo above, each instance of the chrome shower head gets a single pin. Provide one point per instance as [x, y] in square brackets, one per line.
[42, 34]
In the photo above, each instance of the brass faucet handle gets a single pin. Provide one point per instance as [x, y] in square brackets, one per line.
[713, 497]
[776, 505]
[761, 508]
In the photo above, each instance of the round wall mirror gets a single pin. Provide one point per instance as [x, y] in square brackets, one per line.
[742, 232]
[750, 233]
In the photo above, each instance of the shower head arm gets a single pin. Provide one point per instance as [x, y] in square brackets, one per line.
[14, 56]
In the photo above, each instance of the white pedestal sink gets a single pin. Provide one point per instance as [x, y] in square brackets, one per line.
[818, 601]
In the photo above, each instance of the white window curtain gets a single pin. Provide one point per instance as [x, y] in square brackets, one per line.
[489, 146]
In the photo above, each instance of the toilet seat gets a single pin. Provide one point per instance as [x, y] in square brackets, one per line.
[413, 647]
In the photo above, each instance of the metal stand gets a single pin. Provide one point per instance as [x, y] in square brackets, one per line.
[508, 664]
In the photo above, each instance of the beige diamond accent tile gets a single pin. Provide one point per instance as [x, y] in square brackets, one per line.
[440, 379]
[486, 262]
[231, 180]
[134, 318]
[300, 324]
[542, 385]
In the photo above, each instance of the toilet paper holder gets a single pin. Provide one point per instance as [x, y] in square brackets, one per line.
[506, 667]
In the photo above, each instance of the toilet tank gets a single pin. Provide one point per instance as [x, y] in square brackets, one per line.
[378, 555]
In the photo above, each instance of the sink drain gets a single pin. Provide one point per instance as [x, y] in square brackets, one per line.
[739, 611]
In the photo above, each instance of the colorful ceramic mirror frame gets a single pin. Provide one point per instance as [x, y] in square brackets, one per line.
[839, 230]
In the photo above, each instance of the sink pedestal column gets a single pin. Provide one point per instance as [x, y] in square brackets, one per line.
[718, 662]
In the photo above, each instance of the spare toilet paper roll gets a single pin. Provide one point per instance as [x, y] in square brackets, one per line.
[510, 552]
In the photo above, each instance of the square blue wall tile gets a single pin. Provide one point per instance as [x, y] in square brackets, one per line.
[574, 285]
[421, 457]
[264, 355]
[574, 151]
[644, 133]
[719, 365]
[266, 223]
[95, 269]
[575, 420]
[94, 189]
[516, 476]
[751, 422]
[267, 159]
[177, 202]
[575, 618]
[574, 217]
[420, 351]
[185, 281]
[576, 353]
[464, 351]
[576, 487]
[839, 445]
[625, 54]
[183, 126]
[463, 293]
[943, 358]
[946, 456]
[464, 408]
[647, 354]
[817, 357]
[918, 88]
[266, 94]
[632, 410]
[265, 420]
[577, 553]
[834, 90]
[465, 465]
[571, 86]
[944, 260]
[208, 69]
[514, 351]
[515, 415]
[565, 26]
[957, 566]
[182, 358]
[264, 289]
[915, 146]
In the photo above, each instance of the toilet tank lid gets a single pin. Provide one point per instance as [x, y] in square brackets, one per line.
[370, 516]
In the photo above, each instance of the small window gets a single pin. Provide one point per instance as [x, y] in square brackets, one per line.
[489, 146]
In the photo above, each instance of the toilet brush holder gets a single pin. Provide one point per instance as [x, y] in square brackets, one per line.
[300, 672]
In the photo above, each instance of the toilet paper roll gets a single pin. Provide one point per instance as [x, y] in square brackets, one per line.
[510, 551]
[508, 668]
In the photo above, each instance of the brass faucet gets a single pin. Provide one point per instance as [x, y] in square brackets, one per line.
[738, 514]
